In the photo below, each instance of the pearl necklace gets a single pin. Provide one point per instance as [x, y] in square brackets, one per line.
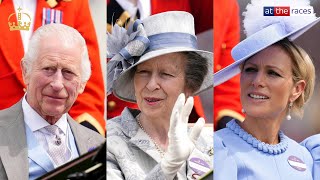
[154, 142]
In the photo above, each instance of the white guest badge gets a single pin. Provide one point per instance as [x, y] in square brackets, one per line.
[199, 166]
[296, 163]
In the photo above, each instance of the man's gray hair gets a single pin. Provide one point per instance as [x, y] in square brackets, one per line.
[68, 36]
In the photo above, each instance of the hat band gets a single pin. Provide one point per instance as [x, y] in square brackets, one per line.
[171, 39]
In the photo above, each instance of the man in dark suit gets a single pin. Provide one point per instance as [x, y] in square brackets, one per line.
[37, 134]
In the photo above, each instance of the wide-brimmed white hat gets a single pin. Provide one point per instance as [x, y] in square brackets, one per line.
[262, 32]
[156, 35]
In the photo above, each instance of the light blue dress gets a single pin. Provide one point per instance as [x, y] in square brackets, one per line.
[312, 143]
[238, 155]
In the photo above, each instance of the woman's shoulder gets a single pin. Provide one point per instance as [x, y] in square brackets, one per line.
[312, 145]
[232, 129]
[312, 142]
[226, 136]
[224, 132]
[293, 144]
[225, 165]
[124, 124]
[303, 146]
[227, 142]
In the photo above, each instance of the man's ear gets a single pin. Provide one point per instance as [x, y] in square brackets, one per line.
[25, 75]
[297, 90]
[82, 86]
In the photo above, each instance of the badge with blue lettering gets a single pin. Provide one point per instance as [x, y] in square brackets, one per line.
[51, 16]
[199, 166]
[296, 163]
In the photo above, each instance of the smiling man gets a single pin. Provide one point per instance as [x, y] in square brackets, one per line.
[37, 134]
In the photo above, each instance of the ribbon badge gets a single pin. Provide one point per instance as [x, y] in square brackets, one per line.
[296, 163]
[199, 166]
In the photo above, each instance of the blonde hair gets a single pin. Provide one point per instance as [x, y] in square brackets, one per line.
[302, 69]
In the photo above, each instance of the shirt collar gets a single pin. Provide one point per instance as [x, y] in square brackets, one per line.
[36, 122]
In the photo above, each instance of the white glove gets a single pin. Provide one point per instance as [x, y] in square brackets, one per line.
[181, 144]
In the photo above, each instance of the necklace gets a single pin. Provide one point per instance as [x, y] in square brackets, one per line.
[154, 142]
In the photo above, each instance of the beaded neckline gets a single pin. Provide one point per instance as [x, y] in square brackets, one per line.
[161, 152]
[259, 145]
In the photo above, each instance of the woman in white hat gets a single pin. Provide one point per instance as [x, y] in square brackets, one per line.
[157, 65]
[276, 80]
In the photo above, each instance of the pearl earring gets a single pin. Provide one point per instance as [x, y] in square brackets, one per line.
[288, 117]
[243, 111]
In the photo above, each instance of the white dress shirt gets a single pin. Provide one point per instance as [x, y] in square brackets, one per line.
[37, 124]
